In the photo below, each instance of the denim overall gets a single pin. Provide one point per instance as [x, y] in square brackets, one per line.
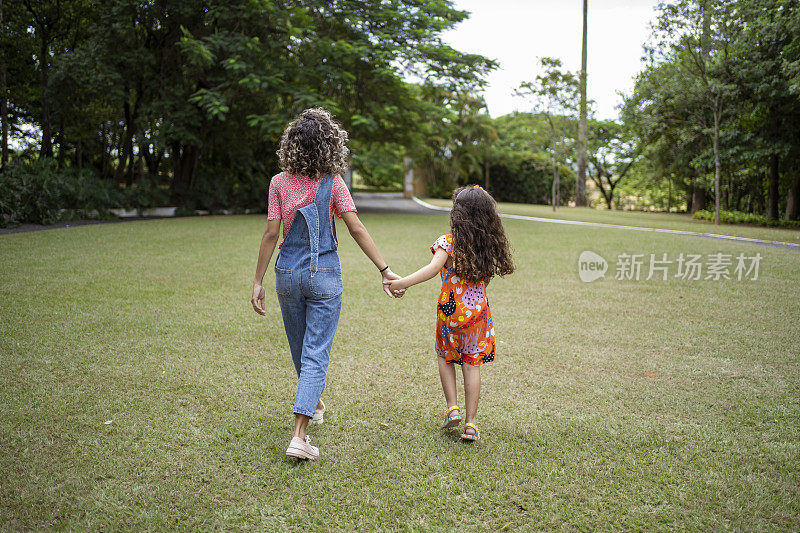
[308, 280]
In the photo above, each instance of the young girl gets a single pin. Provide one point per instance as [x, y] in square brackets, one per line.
[308, 275]
[467, 258]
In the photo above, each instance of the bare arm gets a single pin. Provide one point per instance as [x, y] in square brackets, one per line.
[423, 274]
[362, 237]
[265, 251]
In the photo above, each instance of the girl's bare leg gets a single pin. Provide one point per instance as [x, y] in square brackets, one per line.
[472, 392]
[448, 376]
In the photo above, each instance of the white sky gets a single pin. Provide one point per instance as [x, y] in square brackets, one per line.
[517, 33]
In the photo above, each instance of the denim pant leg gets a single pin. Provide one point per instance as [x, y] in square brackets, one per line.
[322, 318]
[293, 309]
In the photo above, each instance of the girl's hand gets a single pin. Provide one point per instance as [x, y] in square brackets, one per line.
[388, 277]
[395, 286]
[258, 296]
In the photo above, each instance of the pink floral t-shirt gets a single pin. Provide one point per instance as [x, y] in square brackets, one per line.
[290, 192]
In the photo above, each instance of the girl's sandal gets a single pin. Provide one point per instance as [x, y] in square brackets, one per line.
[471, 436]
[451, 421]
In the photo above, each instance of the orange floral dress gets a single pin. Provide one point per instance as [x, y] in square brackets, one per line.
[464, 327]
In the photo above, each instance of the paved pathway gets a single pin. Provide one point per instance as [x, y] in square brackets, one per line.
[762, 242]
[395, 202]
[389, 202]
[24, 228]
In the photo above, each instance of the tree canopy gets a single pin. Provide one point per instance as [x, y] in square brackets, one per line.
[190, 97]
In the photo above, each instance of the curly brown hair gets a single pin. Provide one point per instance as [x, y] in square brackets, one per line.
[480, 247]
[313, 145]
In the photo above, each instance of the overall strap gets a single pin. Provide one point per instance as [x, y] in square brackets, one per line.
[323, 202]
[313, 213]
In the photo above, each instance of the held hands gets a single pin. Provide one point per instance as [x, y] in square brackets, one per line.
[388, 277]
[394, 287]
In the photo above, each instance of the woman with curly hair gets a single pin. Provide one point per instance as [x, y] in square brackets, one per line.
[466, 259]
[308, 274]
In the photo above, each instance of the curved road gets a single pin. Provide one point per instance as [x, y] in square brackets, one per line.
[762, 242]
[395, 202]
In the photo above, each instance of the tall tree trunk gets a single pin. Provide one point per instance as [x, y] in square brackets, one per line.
[772, 213]
[79, 155]
[144, 151]
[122, 159]
[558, 186]
[793, 199]
[105, 147]
[486, 175]
[131, 167]
[717, 165]
[580, 182]
[608, 194]
[124, 169]
[140, 169]
[669, 195]
[3, 102]
[726, 194]
[61, 144]
[698, 199]
[555, 182]
[690, 197]
[736, 194]
[184, 167]
[47, 128]
[758, 193]
[698, 194]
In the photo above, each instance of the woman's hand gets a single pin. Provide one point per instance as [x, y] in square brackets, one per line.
[258, 296]
[388, 277]
[395, 286]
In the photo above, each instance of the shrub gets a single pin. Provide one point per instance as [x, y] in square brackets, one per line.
[528, 181]
[10, 201]
[380, 166]
[144, 196]
[36, 192]
[86, 192]
[739, 217]
[39, 193]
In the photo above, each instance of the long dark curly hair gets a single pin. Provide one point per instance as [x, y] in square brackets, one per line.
[480, 247]
[313, 145]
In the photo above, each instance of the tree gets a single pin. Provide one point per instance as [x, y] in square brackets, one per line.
[189, 98]
[763, 67]
[521, 162]
[613, 151]
[454, 144]
[695, 37]
[716, 99]
[555, 95]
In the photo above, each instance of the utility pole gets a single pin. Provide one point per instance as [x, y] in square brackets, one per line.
[580, 183]
[3, 103]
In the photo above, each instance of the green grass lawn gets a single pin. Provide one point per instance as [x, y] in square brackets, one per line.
[141, 391]
[643, 219]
